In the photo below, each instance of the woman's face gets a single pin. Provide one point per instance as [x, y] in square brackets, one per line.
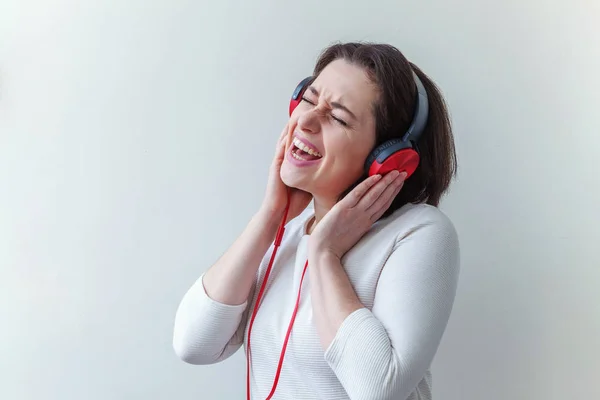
[335, 123]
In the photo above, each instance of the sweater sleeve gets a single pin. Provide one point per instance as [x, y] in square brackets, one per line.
[207, 331]
[384, 353]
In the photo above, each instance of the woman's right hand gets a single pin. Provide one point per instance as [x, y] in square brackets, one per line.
[275, 200]
[230, 279]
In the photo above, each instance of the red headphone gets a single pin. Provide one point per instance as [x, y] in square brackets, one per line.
[401, 154]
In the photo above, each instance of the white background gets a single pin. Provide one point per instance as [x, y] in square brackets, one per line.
[122, 179]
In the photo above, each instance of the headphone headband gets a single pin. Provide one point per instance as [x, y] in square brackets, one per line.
[400, 153]
[421, 113]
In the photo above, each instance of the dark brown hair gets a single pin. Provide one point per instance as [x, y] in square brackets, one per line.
[391, 72]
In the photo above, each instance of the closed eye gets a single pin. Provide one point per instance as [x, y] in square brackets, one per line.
[338, 120]
[343, 123]
[307, 100]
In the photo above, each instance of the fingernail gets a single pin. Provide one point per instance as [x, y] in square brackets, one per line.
[403, 175]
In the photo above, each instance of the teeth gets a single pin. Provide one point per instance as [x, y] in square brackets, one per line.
[307, 149]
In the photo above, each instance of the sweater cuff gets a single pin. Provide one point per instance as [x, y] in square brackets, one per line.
[344, 335]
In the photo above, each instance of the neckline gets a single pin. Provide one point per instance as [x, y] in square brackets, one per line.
[309, 219]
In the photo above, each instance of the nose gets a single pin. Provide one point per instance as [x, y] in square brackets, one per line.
[309, 122]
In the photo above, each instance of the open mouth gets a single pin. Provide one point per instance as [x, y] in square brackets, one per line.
[302, 152]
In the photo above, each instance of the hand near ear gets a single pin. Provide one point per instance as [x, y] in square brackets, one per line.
[352, 217]
[276, 194]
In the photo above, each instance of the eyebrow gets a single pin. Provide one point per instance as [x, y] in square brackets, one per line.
[334, 104]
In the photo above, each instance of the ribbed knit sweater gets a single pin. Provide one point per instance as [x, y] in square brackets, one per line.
[404, 271]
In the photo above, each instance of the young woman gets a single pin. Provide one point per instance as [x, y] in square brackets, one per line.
[357, 298]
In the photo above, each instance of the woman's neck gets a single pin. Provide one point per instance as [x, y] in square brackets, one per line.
[322, 207]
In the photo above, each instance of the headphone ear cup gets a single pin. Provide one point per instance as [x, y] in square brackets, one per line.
[392, 155]
[297, 94]
[294, 104]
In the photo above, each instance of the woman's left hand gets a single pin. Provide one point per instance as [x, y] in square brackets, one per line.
[352, 217]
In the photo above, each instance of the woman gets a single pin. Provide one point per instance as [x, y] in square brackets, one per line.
[365, 280]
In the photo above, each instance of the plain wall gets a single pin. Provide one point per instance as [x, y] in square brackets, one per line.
[135, 139]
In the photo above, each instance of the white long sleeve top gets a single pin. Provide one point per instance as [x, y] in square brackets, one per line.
[404, 271]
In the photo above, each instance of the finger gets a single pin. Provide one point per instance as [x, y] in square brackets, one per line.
[352, 199]
[377, 190]
[282, 137]
[387, 197]
[280, 152]
[286, 132]
[281, 145]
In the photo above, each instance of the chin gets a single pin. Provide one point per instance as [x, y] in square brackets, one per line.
[291, 177]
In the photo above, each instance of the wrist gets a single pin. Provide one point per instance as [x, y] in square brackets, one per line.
[323, 256]
[268, 212]
[268, 220]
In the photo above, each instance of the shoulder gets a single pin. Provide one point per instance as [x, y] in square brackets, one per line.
[418, 221]
[420, 235]
[415, 234]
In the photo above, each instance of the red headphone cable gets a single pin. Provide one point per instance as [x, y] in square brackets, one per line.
[278, 239]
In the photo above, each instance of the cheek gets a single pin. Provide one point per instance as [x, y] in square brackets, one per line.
[345, 163]
[348, 151]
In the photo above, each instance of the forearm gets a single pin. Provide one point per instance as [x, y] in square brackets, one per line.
[333, 296]
[356, 345]
[230, 279]
[385, 351]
